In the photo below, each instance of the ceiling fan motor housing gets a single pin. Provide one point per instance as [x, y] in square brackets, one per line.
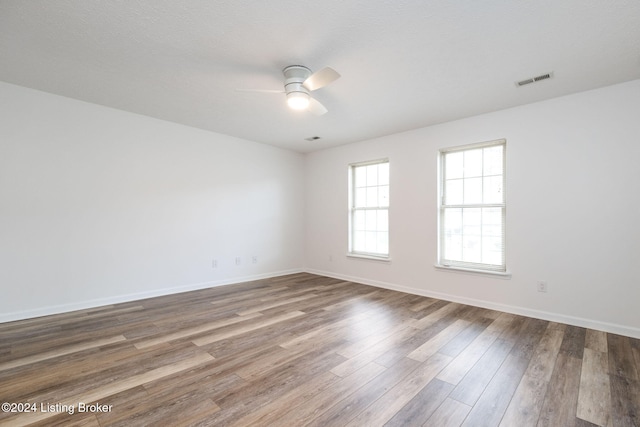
[294, 76]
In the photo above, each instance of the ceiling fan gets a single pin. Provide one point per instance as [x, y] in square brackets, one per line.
[299, 81]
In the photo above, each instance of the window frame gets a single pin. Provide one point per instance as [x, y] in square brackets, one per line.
[353, 209]
[442, 262]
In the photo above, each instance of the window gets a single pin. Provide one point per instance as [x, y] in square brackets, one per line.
[472, 207]
[369, 209]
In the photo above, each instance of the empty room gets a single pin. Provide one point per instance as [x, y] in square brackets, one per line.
[336, 213]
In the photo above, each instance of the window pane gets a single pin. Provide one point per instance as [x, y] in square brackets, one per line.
[453, 233]
[371, 220]
[471, 249]
[453, 219]
[383, 173]
[471, 234]
[454, 192]
[492, 189]
[491, 230]
[358, 220]
[471, 220]
[360, 176]
[383, 243]
[361, 197]
[473, 190]
[370, 241]
[372, 175]
[492, 217]
[453, 247]
[383, 195]
[372, 197]
[492, 250]
[493, 160]
[493, 235]
[473, 163]
[383, 220]
[453, 165]
[358, 241]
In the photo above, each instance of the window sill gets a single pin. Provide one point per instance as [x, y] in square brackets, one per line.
[369, 257]
[503, 274]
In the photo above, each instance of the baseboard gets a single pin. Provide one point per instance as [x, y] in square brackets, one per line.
[99, 302]
[522, 311]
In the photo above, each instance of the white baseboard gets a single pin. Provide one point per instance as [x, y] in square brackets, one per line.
[99, 302]
[522, 311]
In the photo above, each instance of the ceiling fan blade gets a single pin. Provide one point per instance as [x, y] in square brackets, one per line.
[261, 90]
[321, 78]
[316, 107]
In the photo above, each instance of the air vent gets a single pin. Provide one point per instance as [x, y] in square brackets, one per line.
[312, 138]
[524, 82]
[534, 79]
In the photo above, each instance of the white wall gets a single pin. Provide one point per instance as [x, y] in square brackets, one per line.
[99, 205]
[573, 210]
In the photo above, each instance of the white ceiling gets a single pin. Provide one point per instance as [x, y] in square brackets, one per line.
[405, 64]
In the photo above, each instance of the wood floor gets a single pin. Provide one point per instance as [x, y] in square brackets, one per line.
[311, 350]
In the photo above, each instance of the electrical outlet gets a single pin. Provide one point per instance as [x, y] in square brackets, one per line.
[214, 263]
[542, 286]
[238, 260]
[254, 259]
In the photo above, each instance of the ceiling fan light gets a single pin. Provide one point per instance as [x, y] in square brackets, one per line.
[298, 100]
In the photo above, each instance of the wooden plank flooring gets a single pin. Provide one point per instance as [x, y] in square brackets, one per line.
[310, 350]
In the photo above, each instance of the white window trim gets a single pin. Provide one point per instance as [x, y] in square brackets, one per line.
[462, 266]
[505, 274]
[369, 256]
[357, 254]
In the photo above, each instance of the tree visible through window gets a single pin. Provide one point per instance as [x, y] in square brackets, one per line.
[369, 208]
[473, 207]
